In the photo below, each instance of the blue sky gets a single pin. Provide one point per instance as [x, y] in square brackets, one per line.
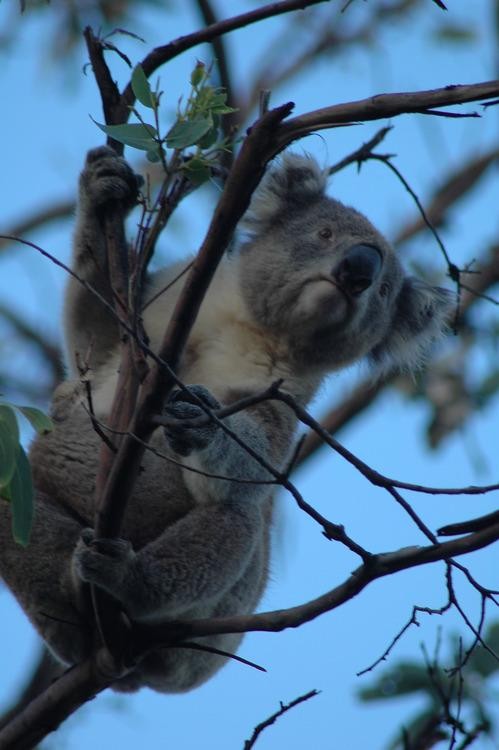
[45, 131]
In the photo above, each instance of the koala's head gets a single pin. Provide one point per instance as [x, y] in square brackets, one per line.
[318, 274]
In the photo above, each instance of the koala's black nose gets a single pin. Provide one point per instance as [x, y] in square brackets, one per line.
[358, 269]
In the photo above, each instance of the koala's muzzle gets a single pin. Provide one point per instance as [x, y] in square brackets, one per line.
[358, 269]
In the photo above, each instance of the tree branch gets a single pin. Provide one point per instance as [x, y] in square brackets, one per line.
[383, 106]
[273, 718]
[61, 210]
[167, 52]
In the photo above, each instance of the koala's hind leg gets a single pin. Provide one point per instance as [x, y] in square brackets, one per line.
[39, 576]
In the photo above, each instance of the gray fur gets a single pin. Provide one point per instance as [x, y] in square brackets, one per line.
[197, 545]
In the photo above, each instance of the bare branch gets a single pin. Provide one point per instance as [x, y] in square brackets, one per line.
[383, 106]
[363, 153]
[474, 524]
[61, 210]
[273, 718]
[64, 696]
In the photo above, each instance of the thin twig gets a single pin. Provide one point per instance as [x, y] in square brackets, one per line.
[273, 718]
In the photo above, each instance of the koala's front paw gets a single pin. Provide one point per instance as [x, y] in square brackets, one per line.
[104, 562]
[183, 405]
[108, 178]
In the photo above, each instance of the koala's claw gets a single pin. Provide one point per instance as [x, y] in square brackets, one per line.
[183, 404]
[103, 562]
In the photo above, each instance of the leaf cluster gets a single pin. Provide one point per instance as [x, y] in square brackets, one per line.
[16, 484]
[197, 125]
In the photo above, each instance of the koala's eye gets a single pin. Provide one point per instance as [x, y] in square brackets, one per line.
[326, 233]
[384, 289]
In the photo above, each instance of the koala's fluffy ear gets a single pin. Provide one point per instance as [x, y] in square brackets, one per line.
[294, 182]
[422, 315]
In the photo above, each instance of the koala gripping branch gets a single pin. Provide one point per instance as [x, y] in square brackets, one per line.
[258, 148]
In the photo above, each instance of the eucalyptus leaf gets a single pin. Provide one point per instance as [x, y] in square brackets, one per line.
[209, 138]
[136, 134]
[142, 89]
[198, 74]
[218, 104]
[455, 33]
[188, 132]
[482, 661]
[404, 678]
[153, 156]
[20, 490]
[37, 419]
[9, 442]
[197, 170]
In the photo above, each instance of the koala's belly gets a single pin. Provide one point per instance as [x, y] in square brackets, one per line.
[65, 462]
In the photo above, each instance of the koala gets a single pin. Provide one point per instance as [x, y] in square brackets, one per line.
[311, 288]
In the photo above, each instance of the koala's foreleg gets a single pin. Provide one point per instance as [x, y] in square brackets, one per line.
[211, 452]
[107, 185]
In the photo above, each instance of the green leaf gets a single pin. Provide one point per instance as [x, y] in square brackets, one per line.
[20, 490]
[403, 678]
[218, 104]
[153, 156]
[142, 89]
[197, 170]
[455, 33]
[481, 660]
[37, 419]
[223, 109]
[137, 134]
[198, 74]
[209, 138]
[188, 132]
[9, 442]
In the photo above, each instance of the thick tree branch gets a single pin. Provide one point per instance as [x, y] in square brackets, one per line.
[44, 671]
[383, 106]
[111, 626]
[46, 712]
